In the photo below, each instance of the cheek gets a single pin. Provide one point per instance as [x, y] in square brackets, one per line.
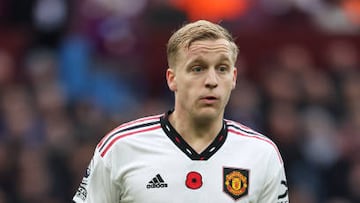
[185, 84]
[227, 92]
[187, 90]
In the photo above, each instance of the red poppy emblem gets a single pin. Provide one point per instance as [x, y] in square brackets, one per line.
[193, 180]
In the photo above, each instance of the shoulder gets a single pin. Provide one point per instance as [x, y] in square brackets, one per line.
[258, 139]
[131, 128]
[245, 132]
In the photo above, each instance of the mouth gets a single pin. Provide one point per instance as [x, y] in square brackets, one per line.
[209, 99]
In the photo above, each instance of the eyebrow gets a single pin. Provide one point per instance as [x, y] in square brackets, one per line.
[225, 58]
[200, 60]
[197, 60]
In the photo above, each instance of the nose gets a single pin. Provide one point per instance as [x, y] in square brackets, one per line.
[211, 80]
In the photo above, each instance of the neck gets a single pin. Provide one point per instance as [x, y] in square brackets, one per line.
[198, 133]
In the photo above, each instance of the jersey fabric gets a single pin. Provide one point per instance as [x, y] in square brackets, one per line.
[146, 160]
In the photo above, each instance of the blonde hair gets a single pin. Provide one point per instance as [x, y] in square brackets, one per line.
[198, 30]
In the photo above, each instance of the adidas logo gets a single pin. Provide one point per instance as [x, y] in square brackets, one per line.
[156, 182]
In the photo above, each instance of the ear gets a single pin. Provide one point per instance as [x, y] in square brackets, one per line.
[171, 79]
[234, 77]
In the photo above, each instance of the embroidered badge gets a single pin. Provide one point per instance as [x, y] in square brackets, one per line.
[236, 182]
[193, 180]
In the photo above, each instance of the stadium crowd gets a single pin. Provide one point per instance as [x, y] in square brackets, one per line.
[70, 71]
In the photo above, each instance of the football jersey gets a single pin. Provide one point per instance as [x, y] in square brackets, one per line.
[146, 160]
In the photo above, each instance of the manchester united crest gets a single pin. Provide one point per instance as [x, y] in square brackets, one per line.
[236, 182]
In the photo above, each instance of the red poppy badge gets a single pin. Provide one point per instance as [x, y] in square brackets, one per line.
[193, 180]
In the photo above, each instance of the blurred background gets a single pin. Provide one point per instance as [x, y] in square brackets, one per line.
[70, 71]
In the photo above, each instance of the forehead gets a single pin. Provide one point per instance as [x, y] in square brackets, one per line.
[219, 49]
[201, 47]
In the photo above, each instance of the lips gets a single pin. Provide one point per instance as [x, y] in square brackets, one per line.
[209, 99]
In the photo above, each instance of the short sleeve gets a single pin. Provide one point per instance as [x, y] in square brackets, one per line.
[276, 188]
[97, 185]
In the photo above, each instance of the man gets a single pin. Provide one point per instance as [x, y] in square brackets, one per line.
[191, 153]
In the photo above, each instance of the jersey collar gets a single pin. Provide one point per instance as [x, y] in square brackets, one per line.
[176, 138]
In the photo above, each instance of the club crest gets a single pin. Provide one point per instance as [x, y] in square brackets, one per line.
[236, 182]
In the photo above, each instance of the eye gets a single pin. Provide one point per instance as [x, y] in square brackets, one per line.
[223, 68]
[196, 69]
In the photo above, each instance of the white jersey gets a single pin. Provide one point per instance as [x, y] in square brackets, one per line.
[146, 160]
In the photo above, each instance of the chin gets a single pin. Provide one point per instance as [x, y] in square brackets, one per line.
[208, 114]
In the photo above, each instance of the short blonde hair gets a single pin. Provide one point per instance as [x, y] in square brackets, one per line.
[195, 31]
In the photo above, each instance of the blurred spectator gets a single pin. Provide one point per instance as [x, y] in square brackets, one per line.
[122, 8]
[348, 139]
[33, 169]
[281, 85]
[49, 20]
[300, 195]
[8, 171]
[296, 59]
[20, 117]
[320, 144]
[354, 181]
[6, 69]
[319, 91]
[350, 90]
[341, 57]
[245, 105]
[74, 66]
[41, 67]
